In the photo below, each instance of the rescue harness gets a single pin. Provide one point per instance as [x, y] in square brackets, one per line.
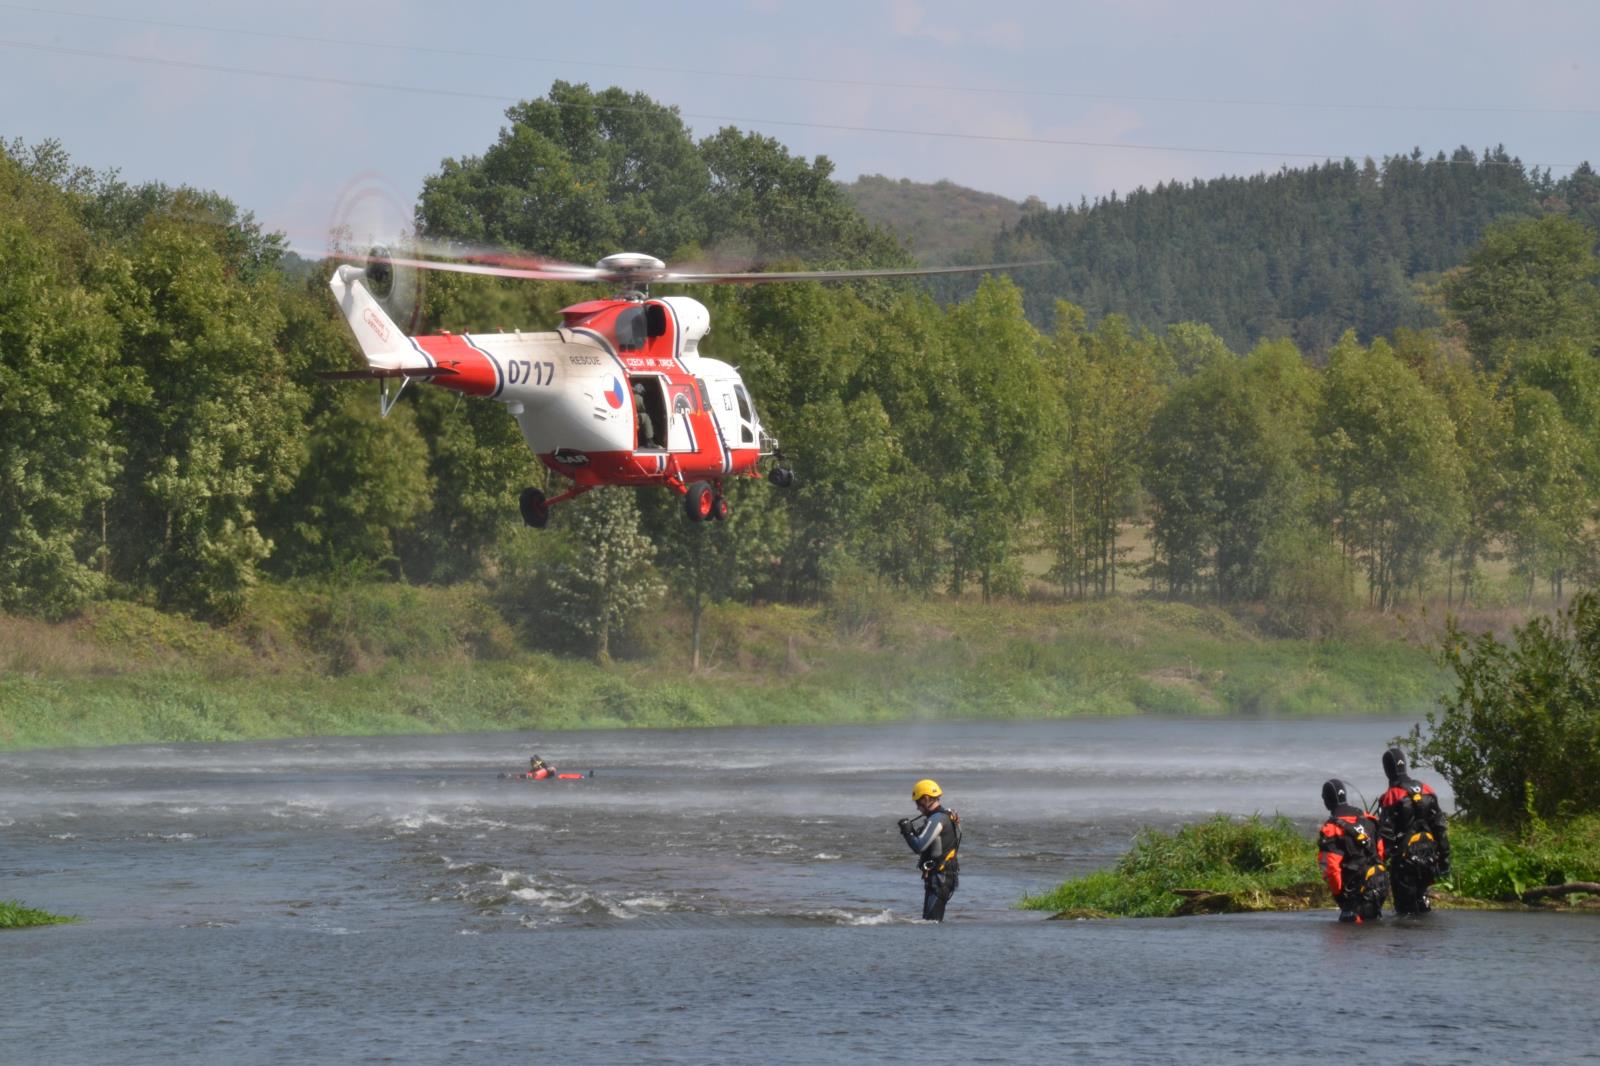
[946, 868]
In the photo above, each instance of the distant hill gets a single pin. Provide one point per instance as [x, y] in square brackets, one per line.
[941, 223]
[1304, 253]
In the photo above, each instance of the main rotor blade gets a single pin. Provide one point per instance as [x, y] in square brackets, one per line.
[492, 264]
[550, 271]
[687, 277]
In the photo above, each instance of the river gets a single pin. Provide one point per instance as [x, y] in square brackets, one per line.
[725, 895]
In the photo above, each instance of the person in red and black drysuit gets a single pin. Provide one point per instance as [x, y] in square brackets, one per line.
[1412, 828]
[1350, 853]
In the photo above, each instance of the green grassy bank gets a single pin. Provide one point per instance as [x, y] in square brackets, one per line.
[14, 915]
[369, 659]
[1229, 864]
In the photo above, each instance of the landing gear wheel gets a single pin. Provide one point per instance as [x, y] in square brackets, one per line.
[781, 476]
[700, 502]
[719, 508]
[535, 511]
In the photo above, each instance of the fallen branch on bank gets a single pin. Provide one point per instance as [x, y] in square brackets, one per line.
[1567, 889]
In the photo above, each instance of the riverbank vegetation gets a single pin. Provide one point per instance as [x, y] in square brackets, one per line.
[381, 658]
[1229, 864]
[14, 915]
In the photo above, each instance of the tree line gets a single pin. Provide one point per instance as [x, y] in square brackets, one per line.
[1305, 253]
[163, 435]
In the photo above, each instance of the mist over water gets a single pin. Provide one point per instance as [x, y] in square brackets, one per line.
[737, 894]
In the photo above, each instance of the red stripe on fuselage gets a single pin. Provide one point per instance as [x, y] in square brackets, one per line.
[474, 373]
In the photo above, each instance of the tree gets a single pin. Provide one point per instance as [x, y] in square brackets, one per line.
[777, 206]
[210, 419]
[1531, 280]
[605, 578]
[1107, 382]
[576, 175]
[363, 485]
[995, 439]
[1516, 738]
[1548, 502]
[849, 448]
[477, 463]
[57, 458]
[713, 562]
[908, 365]
[1474, 401]
[1193, 347]
[1389, 452]
[1222, 478]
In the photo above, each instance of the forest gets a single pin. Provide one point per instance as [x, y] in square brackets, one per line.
[1304, 253]
[1320, 433]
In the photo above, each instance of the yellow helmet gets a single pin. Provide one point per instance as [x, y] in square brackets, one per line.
[926, 787]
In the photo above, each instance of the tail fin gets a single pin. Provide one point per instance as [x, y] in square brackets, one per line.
[381, 340]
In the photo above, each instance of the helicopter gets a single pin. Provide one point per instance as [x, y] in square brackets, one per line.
[618, 394]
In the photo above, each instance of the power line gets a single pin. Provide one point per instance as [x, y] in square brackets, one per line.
[352, 83]
[807, 79]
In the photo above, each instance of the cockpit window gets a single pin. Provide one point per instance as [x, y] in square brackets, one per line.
[747, 415]
[631, 329]
[656, 320]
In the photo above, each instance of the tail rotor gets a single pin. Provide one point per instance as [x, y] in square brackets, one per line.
[371, 228]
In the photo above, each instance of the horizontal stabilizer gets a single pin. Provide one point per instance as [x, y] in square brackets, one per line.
[374, 372]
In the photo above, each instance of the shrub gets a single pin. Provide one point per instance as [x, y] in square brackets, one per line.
[1520, 736]
[1490, 865]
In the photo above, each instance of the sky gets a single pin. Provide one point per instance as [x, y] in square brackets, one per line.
[292, 108]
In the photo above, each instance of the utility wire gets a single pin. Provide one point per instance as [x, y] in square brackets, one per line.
[804, 79]
[325, 79]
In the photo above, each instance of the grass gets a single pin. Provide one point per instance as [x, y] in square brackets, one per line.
[1493, 865]
[1268, 864]
[1250, 858]
[384, 658]
[14, 915]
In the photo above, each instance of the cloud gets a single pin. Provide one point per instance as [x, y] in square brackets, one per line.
[908, 18]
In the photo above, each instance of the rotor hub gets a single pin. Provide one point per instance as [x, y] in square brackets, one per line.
[631, 266]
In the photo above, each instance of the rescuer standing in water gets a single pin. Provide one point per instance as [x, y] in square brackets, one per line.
[936, 844]
[1351, 856]
[1416, 843]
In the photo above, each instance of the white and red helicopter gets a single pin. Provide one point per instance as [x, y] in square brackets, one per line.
[618, 394]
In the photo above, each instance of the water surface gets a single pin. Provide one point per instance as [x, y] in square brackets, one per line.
[721, 895]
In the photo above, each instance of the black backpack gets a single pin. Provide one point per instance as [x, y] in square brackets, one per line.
[1416, 848]
[1366, 878]
[1371, 885]
[1419, 851]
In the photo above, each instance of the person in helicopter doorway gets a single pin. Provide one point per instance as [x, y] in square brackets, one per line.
[647, 425]
[936, 844]
[1412, 829]
[1350, 853]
